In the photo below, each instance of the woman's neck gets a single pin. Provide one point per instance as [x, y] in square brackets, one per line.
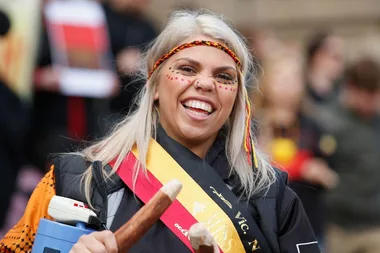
[202, 148]
[198, 147]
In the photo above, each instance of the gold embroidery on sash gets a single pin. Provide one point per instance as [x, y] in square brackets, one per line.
[255, 245]
[221, 232]
[198, 208]
[243, 225]
[221, 197]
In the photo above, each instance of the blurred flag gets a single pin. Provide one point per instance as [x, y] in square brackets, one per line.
[80, 47]
[19, 33]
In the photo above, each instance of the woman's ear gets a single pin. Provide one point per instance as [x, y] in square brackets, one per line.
[156, 95]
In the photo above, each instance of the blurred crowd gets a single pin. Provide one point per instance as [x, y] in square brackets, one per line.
[55, 123]
[317, 118]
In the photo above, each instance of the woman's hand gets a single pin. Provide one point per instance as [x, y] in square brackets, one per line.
[97, 242]
[201, 240]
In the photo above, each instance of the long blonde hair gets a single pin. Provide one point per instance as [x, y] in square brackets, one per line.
[138, 127]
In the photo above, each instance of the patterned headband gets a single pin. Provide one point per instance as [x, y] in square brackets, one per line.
[192, 44]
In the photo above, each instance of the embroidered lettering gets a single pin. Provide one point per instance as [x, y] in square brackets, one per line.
[243, 225]
[198, 208]
[224, 240]
[255, 245]
[211, 222]
[230, 244]
[185, 232]
[220, 231]
[221, 197]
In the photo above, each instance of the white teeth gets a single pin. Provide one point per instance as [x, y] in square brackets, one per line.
[199, 105]
[200, 113]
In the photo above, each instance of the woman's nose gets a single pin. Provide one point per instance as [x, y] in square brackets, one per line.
[205, 83]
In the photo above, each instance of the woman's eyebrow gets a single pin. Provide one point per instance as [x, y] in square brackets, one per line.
[224, 68]
[197, 63]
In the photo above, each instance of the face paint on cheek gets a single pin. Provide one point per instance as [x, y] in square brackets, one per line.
[176, 76]
[173, 75]
[230, 86]
[181, 80]
[169, 77]
[184, 80]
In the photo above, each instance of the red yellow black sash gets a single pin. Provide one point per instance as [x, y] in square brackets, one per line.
[204, 198]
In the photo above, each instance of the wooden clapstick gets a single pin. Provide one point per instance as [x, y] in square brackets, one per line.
[201, 240]
[150, 213]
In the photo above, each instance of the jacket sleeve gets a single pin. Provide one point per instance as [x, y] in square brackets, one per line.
[295, 232]
[21, 237]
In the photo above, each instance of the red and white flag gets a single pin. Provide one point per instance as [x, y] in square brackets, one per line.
[80, 46]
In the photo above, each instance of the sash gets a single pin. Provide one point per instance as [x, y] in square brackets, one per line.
[204, 198]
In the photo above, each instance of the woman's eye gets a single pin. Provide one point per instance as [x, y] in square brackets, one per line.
[225, 77]
[187, 69]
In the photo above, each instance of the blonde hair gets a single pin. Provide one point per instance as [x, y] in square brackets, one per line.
[138, 127]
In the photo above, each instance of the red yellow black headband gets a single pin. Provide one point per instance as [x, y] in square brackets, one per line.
[248, 141]
[192, 44]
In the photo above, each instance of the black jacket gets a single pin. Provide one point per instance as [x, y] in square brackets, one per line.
[279, 213]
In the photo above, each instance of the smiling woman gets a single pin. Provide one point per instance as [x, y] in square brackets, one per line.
[202, 95]
[192, 124]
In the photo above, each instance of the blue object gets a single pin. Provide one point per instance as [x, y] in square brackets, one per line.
[55, 237]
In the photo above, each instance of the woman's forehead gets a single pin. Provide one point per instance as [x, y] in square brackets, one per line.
[200, 37]
[204, 55]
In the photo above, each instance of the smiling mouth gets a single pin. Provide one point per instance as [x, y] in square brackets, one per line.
[199, 107]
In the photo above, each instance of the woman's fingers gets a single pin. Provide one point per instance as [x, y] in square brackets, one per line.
[96, 242]
[109, 241]
[201, 240]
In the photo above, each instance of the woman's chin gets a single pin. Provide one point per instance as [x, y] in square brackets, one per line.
[196, 134]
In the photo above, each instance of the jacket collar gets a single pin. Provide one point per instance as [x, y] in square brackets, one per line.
[215, 157]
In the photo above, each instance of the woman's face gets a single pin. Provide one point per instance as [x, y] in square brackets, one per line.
[196, 91]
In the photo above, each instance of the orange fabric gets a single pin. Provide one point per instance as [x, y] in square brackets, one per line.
[21, 237]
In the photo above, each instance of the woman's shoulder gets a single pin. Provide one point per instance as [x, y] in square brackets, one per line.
[68, 171]
[276, 203]
[282, 216]
[285, 196]
[277, 188]
[70, 163]
[282, 177]
[290, 212]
